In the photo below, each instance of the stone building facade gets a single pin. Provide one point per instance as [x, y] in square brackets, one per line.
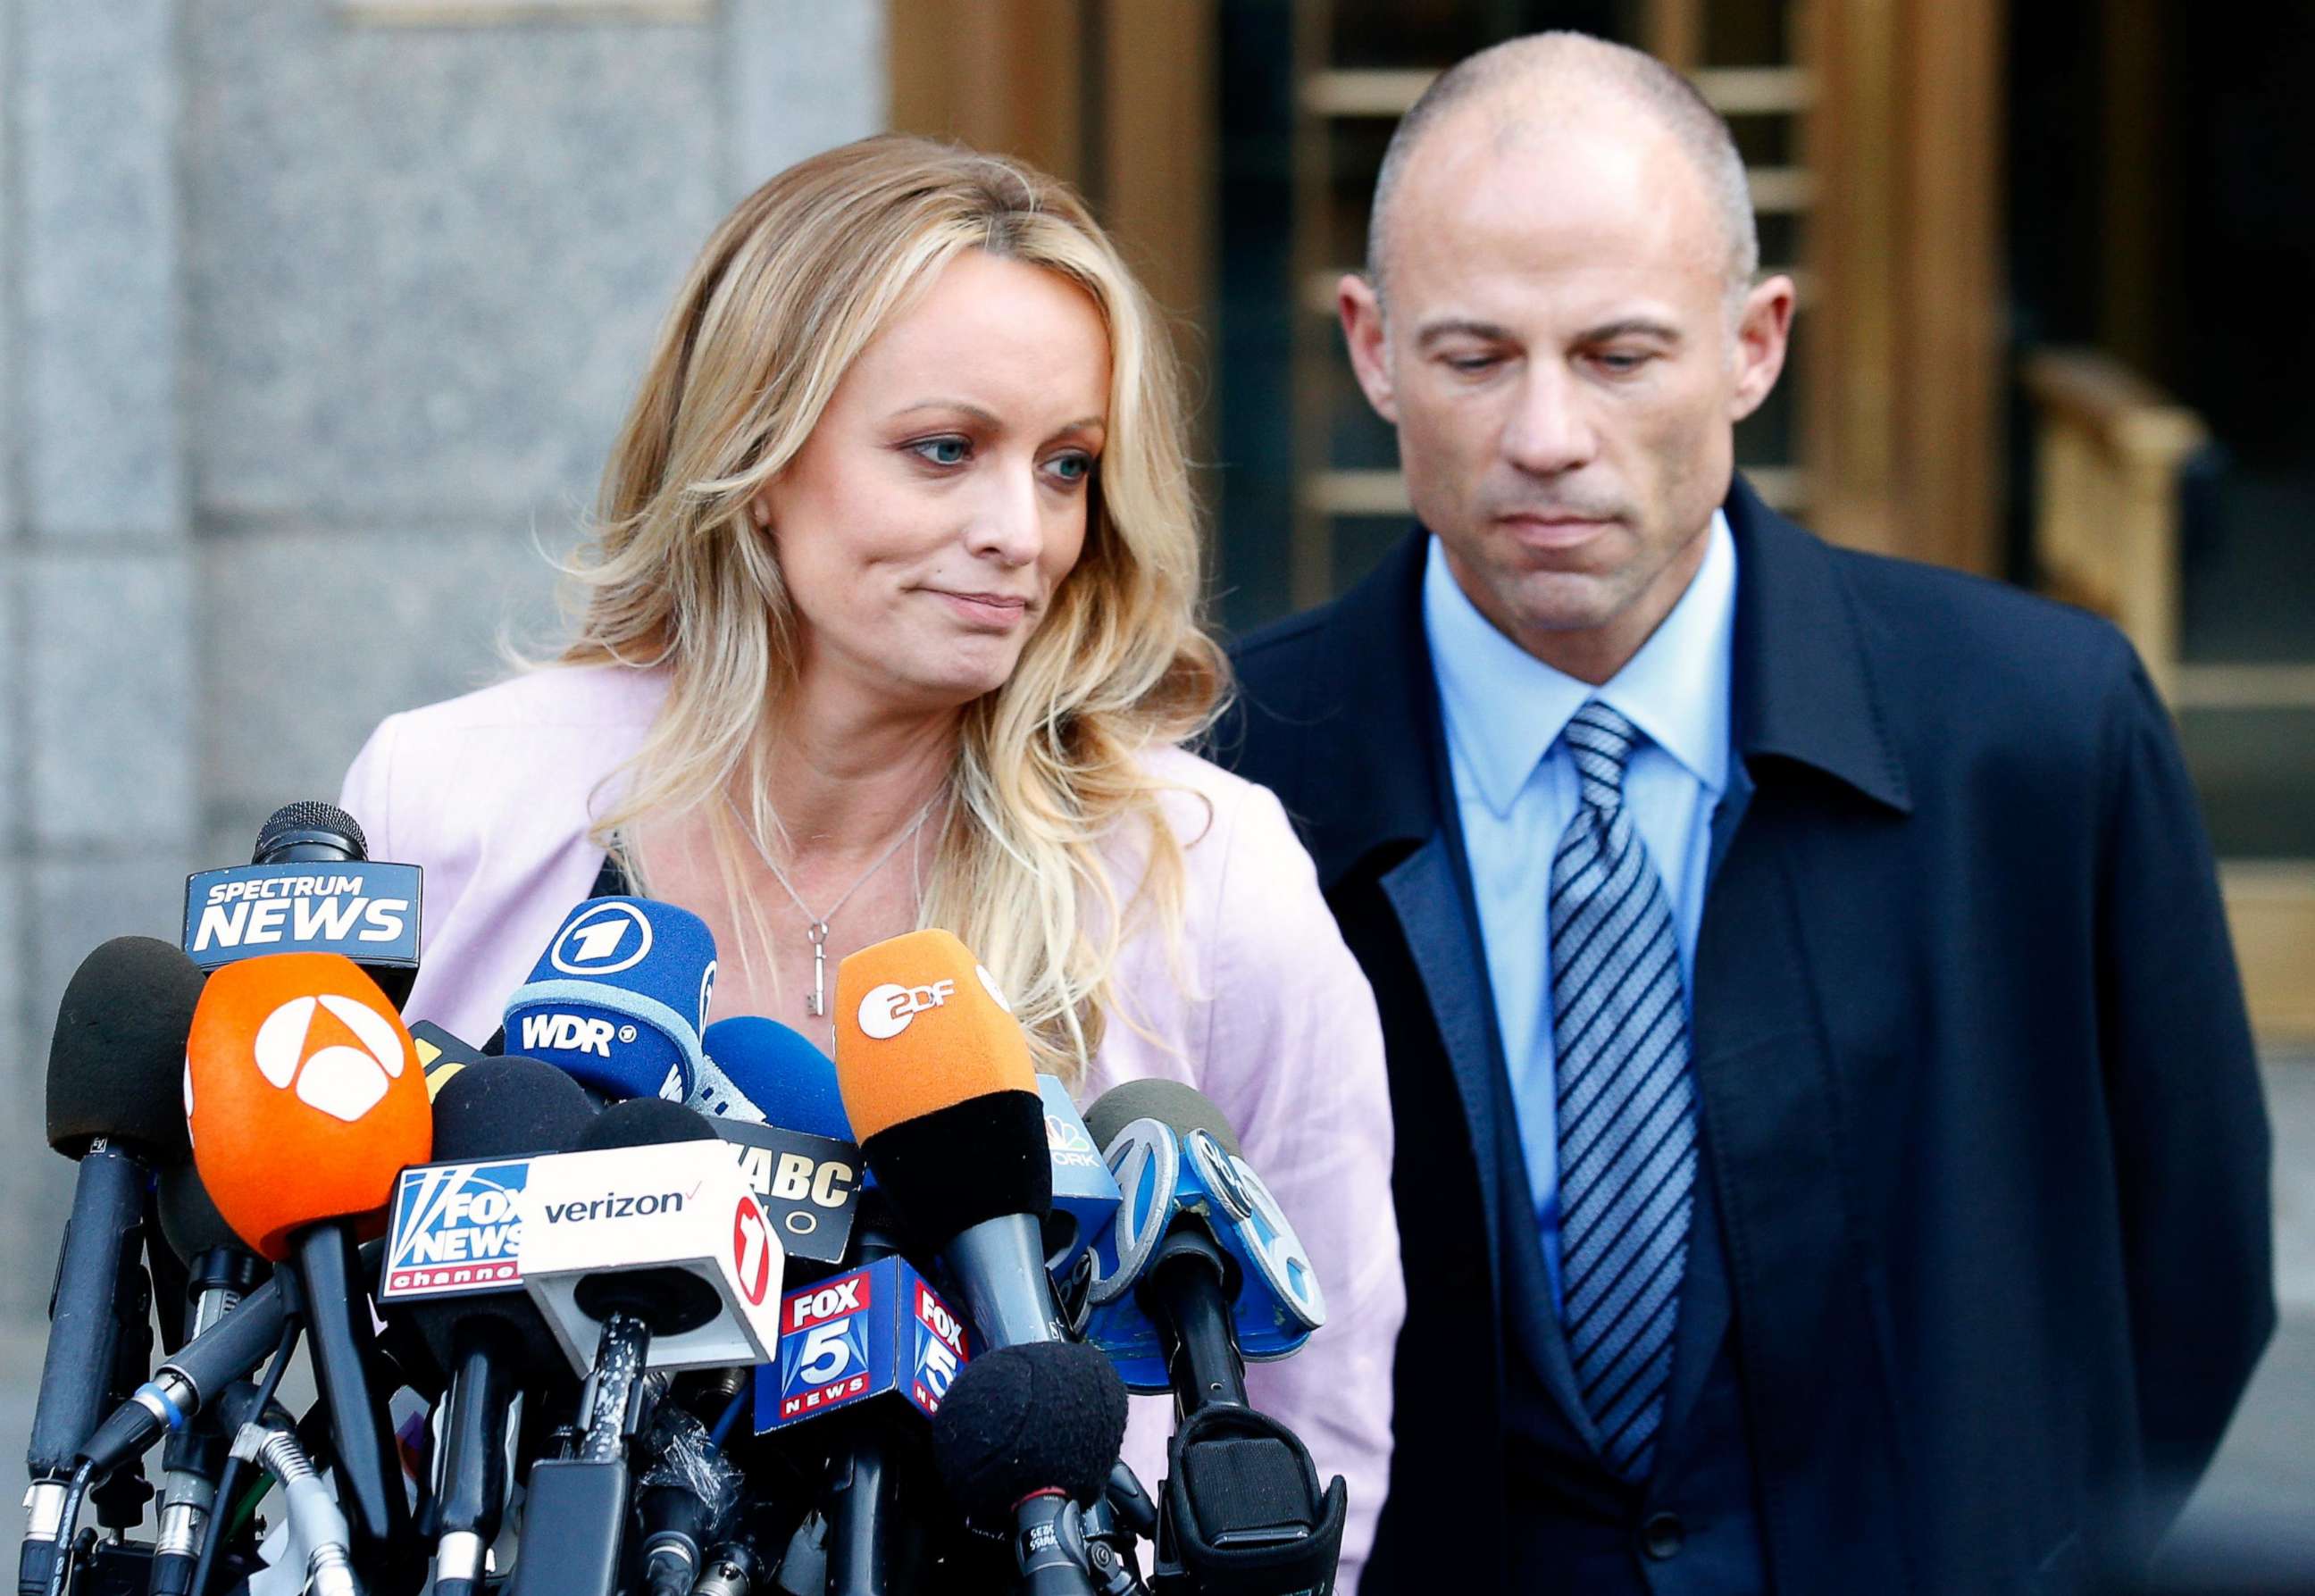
[317, 317]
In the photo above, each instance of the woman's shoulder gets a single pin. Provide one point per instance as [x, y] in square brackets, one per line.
[1238, 845]
[526, 754]
[1204, 804]
[573, 697]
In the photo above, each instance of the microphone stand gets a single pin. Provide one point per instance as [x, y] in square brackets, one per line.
[192, 1456]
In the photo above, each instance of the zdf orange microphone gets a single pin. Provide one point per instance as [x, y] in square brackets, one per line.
[936, 1080]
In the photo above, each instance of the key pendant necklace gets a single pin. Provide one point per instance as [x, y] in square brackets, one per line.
[816, 925]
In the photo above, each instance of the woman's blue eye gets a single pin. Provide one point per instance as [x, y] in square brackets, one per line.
[944, 451]
[1073, 468]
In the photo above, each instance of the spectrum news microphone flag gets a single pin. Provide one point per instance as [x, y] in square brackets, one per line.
[619, 998]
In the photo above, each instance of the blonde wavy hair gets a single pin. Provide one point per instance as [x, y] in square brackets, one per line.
[793, 285]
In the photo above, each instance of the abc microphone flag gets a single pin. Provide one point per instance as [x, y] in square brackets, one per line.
[303, 1093]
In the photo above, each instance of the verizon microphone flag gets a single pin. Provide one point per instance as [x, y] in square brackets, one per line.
[645, 1207]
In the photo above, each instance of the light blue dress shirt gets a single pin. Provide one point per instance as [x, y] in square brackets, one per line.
[1515, 792]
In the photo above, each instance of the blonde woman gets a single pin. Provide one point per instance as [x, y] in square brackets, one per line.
[891, 621]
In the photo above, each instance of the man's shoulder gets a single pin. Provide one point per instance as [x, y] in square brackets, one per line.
[1967, 636]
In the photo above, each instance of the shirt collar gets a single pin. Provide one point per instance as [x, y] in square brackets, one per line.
[1504, 707]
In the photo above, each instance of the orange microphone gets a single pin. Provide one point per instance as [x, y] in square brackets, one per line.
[937, 1081]
[306, 1099]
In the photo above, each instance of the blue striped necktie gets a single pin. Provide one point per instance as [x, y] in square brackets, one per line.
[1626, 1108]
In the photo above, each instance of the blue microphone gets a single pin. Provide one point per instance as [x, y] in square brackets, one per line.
[619, 998]
[1085, 1193]
[771, 1073]
[773, 1095]
[1201, 1271]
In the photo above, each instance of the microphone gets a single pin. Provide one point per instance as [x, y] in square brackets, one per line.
[683, 1501]
[773, 1073]
[221, 1273]
[310, 887]
[937, 1081]
[1086, 1197]
[1201, 1271]
[113, 1108]
[779, 1106]
[486, 1337]
[304, 1101]
[1200, 1256]
[619, 998]
[1027, 1439]
[636, 1197]
[634, 1232]
[849, 1339]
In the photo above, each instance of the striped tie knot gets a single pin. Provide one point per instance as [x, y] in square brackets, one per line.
[1601, 741]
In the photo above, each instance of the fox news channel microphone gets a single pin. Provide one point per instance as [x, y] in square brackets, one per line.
[489, 1119]
[651, 1255]
[305, 1101]
[310, 888]
[1026, 1441]
[111, 1108]
[619, 998]
[1201, 1271]
[937, 1081]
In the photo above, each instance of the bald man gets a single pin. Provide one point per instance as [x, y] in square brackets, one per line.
[1831, 1158]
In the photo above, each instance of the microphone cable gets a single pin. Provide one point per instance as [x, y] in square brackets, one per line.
[292, 1322]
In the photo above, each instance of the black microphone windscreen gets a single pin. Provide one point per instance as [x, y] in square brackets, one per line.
[509, 1107]
[189, 1220]
[644, 1122]
[953, 1168]
[1168, 1102]
[117, 1062]
[311, 823]
[1039, 1416]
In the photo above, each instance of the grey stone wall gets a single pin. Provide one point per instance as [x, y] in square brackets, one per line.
[313, 333]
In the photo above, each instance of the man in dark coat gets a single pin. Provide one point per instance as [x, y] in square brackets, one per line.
[1830, 1157]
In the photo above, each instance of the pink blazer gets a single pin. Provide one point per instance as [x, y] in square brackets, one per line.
[1264, 1010]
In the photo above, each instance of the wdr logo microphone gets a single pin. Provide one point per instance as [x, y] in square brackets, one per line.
[617, 996]
[367, 911]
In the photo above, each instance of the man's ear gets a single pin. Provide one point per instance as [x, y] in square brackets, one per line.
[1764, 329]
[1360, 309]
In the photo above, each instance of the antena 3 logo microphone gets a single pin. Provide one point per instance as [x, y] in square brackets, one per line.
[366, 910]
[303, 1093]
[338, 1055]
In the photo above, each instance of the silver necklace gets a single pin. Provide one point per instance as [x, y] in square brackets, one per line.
[816, 925]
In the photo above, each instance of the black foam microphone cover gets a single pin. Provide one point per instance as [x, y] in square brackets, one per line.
[1168, 1102]
[1039, 1416]
[117, 1062]
[643, 1122]
[953, 1168]
[510, 1107]
[189, 1219]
